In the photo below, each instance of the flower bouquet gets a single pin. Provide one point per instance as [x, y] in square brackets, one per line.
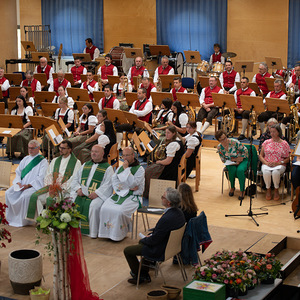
[4, 233]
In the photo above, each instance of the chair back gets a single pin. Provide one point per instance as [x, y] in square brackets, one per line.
[156, 190]
[174, 242]
[113, 156]
[5, 169]
[188, 82]
[182, 170]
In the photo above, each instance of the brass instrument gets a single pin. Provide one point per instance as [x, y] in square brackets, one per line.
[228, 122]
[160, 151]
[124, 90]
[294, 123]
[123, 103]
[159, 85]
[191, 113]
[154, 123]
[291, 95]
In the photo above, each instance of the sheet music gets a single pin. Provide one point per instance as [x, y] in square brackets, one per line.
[67, 132]
[230, 163]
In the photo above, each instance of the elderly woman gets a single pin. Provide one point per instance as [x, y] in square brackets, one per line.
[235, 157]
[274, 155]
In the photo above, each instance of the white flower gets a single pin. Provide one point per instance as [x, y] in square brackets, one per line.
[65, 217]
[44, 213]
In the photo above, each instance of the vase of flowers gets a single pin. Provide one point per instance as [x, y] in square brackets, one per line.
[4, 233]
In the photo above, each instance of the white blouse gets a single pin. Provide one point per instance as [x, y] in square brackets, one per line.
[183, 119]
[70, 115]
[27, 110]
[192, 141]
[103, 140]
[172, 148]
[92, 120]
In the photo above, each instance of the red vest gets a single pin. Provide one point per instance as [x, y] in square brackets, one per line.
[107, 70]
[137, 72]
[47, 70]
[108, 103]
[151, 86]
[77, 72]
[139, 106]
[163, 71]
[181, 90]
[32, 85]
[294, 80]
[4, 93]
[208, 94]
[276, 95]
[57, 84]
[216, 58]
[261, 82]
[92, 84]
[240, 92]
[91, 51]
[229, 79]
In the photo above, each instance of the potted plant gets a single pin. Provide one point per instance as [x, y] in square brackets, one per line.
[4, 233]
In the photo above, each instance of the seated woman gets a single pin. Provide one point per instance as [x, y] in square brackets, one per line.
[24, 93]
[119, 90]
[86, 127]
[274, 155]
[192, 143]
[166, 168]
[187, 205]
[19, 142]
[62, 93]
[235, 157]
[178, 118]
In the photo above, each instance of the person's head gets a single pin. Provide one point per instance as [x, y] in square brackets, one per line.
[122, 77]
[177, 81]
[65, 148]
[217, 48]
[171, 133]
[108, 127]
[270, 123]
[128, 154]
[108, 91]
[33, 147]
[171, 198]
[275, 131]
[77, 61]
[108, 59]
[60, 75]
[177, 108]
[61, 91]
[191, 127]
[244, 82]
[89, 42]
[146, 82]
[89, 75]
[277, 85]
[29, 75]
[63, 102]
[212, 81]
[20, 101]
[97, 153]
[187, 198]
[228, 65]
[43, 62]
[164, 61]
[24, 91]
[297, 70]
[1, 72]
[141, 94]
[101, 116]
[138, 62]
[166, 104]
[262, 68]
[87, 109]
[221, 136]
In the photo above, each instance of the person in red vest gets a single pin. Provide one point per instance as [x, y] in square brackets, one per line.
[142, 107]
[77, 70]
[259, 78]
[164, 69]
[137, 70]
[216, 56]
[90, 85]
[43, 67]
[294, 81]
[149, 86]
[208, 109]
[229, 78]
[107, 69]
[91, 49]
[59, 81]
[177, 81]
[32, 82]
[4, 85]
[109, 101]
[266, 115]
[244, 90]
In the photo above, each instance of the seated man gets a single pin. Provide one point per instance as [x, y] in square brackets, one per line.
[107, 69]
[216, 56]
[208, 109]
[294, 81]
[77, 70]
[259, 78]
[43, 67]
[29, 178]
[128, 183]
[109, 101]
[153, 246]
[59, 81]
[90, 85]
[32, 82]
[137, 70]
[149, 86]
[177, 88]
[90, 188]
[164, 69]
[91, 49]
[229, 78]
[62, 169]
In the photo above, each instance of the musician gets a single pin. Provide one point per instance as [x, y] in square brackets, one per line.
[90, 85]
[216, 56]
[43, 67]
[266, 115]
[77, 70]
[4, 85]
[163, 114]
[244, 90]
[120, 88]
[178, 118]
[294, 81]
[259, 78]
[107, 69]
[149, 86]
[229, 78]
[62, 94]
[142, 107]
[24, 93]
[164, 69]
[178, 88]
[32, 82]
[289, 118]
[59, 81]
[109, 101]
[208, 109]
[137, 70]
[91, 49]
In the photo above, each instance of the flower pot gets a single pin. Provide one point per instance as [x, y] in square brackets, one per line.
[157, 295]
[269, 280]
[173, 291]
[232, 292]
[25, 269]
[38, 296]
[243, 293]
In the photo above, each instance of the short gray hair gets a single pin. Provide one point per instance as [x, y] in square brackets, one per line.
[35, 142]
[173, 196]
[272, 120]
[278, 81]
[265, 65]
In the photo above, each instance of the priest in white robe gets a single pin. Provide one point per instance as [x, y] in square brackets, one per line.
[29, 178]
[128, 183]
[90, 188]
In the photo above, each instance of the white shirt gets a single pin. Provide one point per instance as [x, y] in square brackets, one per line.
[183, 119]
[141, 113]
[103, 140]
[27, 110]
[38, 86]
[5, 85]
[96, 52]
[156, 75]
[152, 90]
[172, 148]
[254, 77]
[235, 96]
[91, 89]
[283, 97]
[202, 95]
[115, 72]
[192, 141]
[70, 101]
[117, 87]
[211, 59]
[92, 120]
[70, 115]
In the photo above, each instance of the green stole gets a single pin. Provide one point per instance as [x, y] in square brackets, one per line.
[119, 200]
[84, 201]
[68, 173]
[31, 165]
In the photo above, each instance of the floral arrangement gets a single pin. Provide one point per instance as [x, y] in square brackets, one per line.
[238, 270]
[4, 233]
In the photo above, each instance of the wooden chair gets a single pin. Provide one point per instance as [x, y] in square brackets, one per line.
[113, 156]
[5, 169]
[182, 170]
[198, 169]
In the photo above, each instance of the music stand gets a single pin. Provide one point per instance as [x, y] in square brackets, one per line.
[64, 127]
[83, 77]
[133, 52]
[152, 131]
[40, 123]
[14, 78]
[14, 92]
[278, 105]
[41, 77]
[78, 94]
[188, 99]
[116, 116]
[11, 104]
[159, 50]
[167, 81]
[252, 103]
[54, 136]
[43, 96]
[49, 109]
[112, 80]
[224, 100]
[37, 55]
[11, 121]
[137, 143]
[270, 83]
[192, 57]
[80, 104]
[242, 66]
[83, 56]
[130, 97]
[28, 46]
[204, 81]
[133, 120]
[158, 97]
[274, 63]
[147, 142]
[98, 95]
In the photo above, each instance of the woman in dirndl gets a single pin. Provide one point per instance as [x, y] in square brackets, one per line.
[178, 118]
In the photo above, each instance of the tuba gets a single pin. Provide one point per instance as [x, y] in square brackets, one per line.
[160, 151]
[228, 122]
[191, 113]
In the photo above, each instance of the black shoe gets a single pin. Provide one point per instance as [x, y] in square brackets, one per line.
[231, 193]
[241, 137]
[241, 198]
[143, 279]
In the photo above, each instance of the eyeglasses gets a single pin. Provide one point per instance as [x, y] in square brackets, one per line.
[32, 148]
[63, 148]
